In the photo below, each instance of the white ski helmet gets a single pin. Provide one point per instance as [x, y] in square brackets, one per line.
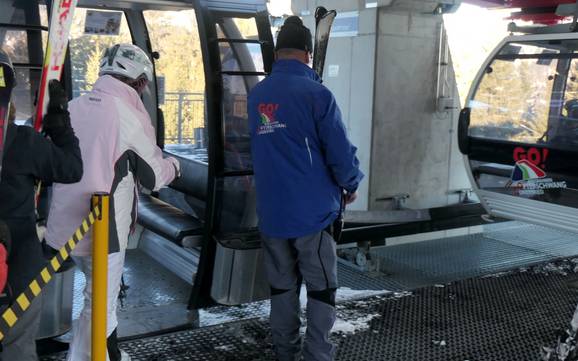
[127, 60]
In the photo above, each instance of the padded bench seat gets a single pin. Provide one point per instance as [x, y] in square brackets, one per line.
[169, 222]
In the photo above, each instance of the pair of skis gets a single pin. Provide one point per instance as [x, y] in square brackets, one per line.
[61, 15]
[323, 22]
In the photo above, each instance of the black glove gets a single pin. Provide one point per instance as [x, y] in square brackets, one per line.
[57, 120]
[58, 101]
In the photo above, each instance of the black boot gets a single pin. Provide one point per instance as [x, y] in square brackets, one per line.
[112, 347]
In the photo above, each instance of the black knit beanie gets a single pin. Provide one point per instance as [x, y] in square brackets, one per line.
[294, 35]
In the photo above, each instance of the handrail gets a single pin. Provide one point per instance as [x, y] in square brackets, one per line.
[100, 277]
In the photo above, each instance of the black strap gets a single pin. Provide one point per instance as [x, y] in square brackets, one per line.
[336, 228]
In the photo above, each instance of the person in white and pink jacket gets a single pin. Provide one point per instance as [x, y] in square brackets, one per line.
[120, 154]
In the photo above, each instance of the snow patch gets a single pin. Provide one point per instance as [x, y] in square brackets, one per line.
[225, 348]
[440, 343]
[551, 268]
[402, 294]
[262, 309]
[345, 294]
[354, 325]
[208, 318]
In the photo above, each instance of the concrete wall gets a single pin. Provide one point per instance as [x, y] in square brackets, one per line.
[417, 6]
[298, 6]
[414, 148]
[353, 87]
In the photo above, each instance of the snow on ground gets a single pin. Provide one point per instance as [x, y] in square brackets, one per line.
[351, 326]
[225, 348]
[559, 267]
[218, 315]
[345, 294]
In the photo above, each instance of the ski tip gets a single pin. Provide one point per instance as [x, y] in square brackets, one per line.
[320, 12]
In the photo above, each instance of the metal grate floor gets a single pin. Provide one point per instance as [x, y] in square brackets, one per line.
[484, 319]
[500, 247]
[457, 313]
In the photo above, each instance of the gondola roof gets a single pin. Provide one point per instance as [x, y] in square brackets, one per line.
[545, 12]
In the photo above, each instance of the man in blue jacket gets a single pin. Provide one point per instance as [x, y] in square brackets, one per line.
[303, 162]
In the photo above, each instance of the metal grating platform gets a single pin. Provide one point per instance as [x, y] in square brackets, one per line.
[474, 319]
[156, 298]
[500, 247]
[483, 319]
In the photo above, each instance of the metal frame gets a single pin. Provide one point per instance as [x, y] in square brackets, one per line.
[140, 37]
[208, 18]
[437, 219]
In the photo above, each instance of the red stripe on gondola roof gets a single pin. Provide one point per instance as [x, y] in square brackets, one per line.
[537, 11]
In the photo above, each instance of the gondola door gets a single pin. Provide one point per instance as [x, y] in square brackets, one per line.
[519, 130]
[240, 54]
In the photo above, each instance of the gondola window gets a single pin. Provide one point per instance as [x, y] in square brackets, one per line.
[529, 94]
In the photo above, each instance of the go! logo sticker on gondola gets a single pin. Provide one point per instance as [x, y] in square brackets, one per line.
[534, 155]
[529, 179]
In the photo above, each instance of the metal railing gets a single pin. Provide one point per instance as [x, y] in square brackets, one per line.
[184, 112]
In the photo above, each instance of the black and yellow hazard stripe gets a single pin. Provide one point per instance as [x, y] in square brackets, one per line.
[23, 301]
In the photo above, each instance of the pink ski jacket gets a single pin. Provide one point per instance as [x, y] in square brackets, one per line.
[119, 153]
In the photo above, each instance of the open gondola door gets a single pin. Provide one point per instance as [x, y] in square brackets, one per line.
[519, 130]
[239, 45]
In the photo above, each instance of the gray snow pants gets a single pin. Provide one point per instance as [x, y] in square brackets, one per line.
[287, 262]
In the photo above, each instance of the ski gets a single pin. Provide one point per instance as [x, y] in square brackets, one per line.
[61, 15]
[7, 81]
[323, 22]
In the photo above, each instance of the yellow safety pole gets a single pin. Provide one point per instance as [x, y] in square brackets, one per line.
[100, 277]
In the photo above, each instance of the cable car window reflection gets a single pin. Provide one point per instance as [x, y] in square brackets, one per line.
[26, 48]
[529, 94]
[242, 67]
[180, 80]
[23, 94]
[229, 60]
[237, 211]
[18, 12]
[15, 44]
[238, 57]
[236, 125]
[247, 28]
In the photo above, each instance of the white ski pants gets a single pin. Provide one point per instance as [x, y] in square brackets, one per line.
[80, 346]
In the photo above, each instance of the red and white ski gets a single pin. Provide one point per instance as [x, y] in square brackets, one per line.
[61, 16]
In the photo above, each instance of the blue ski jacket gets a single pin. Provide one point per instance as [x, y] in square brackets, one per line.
[301, 155]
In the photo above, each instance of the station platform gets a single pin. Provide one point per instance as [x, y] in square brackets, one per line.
[496, 295]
